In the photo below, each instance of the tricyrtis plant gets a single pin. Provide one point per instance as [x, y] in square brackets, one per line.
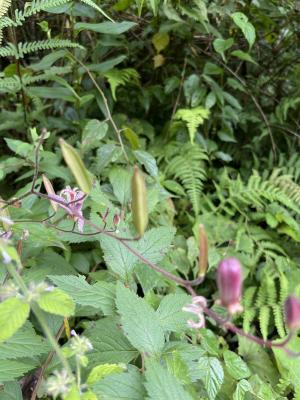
[146, 331]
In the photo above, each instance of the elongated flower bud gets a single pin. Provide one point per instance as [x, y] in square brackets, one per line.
[292, 312]
[50, 190]
[203, 251]
[139, 202]
[229, 280]
[76, 166]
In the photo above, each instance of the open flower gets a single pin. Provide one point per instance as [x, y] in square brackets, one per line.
[196, 308]
[71, 200]
[229, 280]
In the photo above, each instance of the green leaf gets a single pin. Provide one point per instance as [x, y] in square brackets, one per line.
[120, 179]
[211, 373]
[162, 385]
[109, 343]
[152, 246]
[241, 20]
[100, 295]
[148, 161]
[11, 391]
[258, 361]
[288, 366]
[221, 45]
[92, 133]
[132, 137]
[242, 387]
[139, 322]
[24, 343]
[100, 371]
[126, 386]
[57, 302]
[13, 314]
[170, 313]
[9, 370]
[109, 28]
[236, 367]
[160, 41]
[243, 56]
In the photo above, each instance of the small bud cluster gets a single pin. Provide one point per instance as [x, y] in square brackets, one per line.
[79, 346]
[59, 384]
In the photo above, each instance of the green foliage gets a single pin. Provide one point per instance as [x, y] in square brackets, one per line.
[202, 96]
[13, 314]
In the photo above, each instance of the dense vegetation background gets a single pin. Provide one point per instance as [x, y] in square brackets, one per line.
[204, 97]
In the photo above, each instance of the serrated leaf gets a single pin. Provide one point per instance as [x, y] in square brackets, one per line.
[236, 367]
[242, 387]
[212, 375]
[170, 313]
[162, 385]
[152, 246]
[120, 179]
[24, 343]
[126, 386]
[109, 343]
[9, 370]
[100, 295]
[92, 133]
[57, 302]
[139, 322]
[101, 371]
[13, 314]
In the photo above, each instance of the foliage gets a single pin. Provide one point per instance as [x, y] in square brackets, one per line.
[202, 96]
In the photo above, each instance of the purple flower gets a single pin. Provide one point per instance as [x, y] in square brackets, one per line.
[71, 200]
[292, 312]
[229, 280]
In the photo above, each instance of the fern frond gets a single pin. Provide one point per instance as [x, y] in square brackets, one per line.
[120, 77]
[188, 167]
[31, 47]
[96, 7]
[264, 320]
[4, 6]
[289, 187]
[193, 118]
[278, 319]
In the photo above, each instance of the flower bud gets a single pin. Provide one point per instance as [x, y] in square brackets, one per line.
[77, 167]
[292, 312]
[139, 202]
[116, 219]
[203, 251]
[229, 280]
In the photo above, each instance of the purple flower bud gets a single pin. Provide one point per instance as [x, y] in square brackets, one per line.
[292, 312]
[229, 280]
[116, 219]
